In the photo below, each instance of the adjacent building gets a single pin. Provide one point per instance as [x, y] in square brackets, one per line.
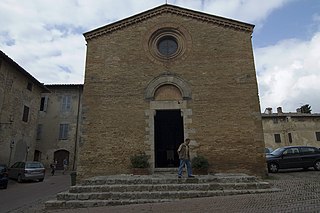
[58, 129]
[37, 122]
[289, 129]
[20, 95]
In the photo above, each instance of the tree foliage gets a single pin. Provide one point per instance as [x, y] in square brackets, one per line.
[140, 161]
[199, 162]
[306, 109]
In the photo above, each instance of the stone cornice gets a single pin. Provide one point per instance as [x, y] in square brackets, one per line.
[216, 20]
[290, 114]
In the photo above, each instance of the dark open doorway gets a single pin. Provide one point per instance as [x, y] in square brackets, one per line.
[168, 136]
[59, 156]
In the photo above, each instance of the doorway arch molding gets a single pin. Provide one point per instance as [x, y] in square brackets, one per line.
[168, 78]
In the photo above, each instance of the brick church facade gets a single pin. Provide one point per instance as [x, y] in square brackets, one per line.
[167, 74]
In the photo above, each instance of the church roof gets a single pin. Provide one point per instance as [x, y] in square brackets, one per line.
[166, 8]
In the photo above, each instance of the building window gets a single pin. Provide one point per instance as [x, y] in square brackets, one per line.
[66, 103]
[25, 114]
[167, 46]
[39, 131]
[309, 150]
[168, 43]
[63, 133]
[277, 138]
[290, 137]
[29, 86]
[43, 104]
[318, 136]
[275, 120]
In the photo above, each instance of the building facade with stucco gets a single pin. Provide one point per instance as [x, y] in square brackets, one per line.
[58, 128]
[164, 75]
[290, 128]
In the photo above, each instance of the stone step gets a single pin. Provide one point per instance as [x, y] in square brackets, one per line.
[63, 204]
[130, 189]
[166, 179]
[165, 171]
[168, 187]
[85, 200]
[154, 195]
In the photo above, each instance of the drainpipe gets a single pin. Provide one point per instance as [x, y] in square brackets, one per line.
[77, 131]
[11, 147]
[27, 152]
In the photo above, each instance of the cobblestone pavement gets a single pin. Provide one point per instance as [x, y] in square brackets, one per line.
[300, 193]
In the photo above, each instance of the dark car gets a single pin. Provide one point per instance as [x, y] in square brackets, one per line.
[29, 170]
[3, 176]
[293, 157]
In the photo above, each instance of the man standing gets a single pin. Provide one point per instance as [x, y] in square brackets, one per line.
[65, 165]
[53, 167]
[184, 157]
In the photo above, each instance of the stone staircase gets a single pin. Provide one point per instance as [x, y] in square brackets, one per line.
[131, 189]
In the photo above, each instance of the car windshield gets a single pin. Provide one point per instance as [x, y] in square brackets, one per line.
[34, 165]
[267, 150]
[277, 151]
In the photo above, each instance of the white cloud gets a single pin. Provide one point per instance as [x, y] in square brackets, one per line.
[288, 74]
[251, 11]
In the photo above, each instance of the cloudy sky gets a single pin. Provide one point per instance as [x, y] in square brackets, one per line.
[45, 38]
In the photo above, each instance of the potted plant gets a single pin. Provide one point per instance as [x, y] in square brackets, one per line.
[140, 164]
[200, 165]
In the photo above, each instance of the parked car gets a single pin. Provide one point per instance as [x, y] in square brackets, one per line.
[293, 157]
[268, 150]
[3, 176]
[30, 170]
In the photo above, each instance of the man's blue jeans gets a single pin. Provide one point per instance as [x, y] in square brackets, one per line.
[182, 163]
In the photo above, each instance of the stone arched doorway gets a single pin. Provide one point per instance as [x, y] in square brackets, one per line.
[168, 95]
[37, 155]
[59, 156]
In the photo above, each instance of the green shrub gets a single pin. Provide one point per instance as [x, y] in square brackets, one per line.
[140, 161]
[199, 162]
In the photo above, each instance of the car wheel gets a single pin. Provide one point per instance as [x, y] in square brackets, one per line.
[317, 165]
[19, 179]
[41, 179]
[273, 167]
